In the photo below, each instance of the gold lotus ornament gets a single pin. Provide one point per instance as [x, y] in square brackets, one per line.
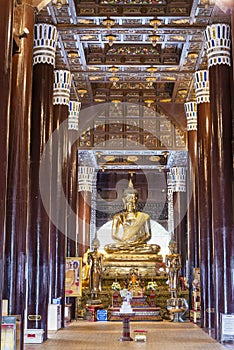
[149, 102]
[82, 92]
[114, 80]
[108, 23]
[111, 38]
[154, 39]
[155, 23]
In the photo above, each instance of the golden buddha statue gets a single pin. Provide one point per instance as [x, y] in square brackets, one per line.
[95, 260]
[173, 262]
[85, 270]
[130, 228]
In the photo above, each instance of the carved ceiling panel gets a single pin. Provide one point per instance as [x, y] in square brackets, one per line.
[133, 51]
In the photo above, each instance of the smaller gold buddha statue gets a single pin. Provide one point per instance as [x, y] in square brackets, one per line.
[95, 260]
[173, 262]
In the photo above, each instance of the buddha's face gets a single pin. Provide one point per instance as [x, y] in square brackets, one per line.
[130, 202]
[173, 248]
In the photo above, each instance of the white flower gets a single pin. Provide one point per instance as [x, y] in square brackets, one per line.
[115, 286]
[151, 285]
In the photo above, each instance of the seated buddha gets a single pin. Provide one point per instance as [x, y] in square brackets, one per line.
[131, 228]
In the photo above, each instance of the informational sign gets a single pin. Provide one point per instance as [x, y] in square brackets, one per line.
[101, 315]
[227, 327]
[73, 277]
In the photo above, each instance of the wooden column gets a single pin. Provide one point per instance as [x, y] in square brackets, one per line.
[18, 166]
[72, 178]
[219, 62]
[61, 97]
[192, 191]
[85, 181]
[6, 35]
[45, 37]
[170, 205]
[180, 210]
[232, 25]
[204, 198]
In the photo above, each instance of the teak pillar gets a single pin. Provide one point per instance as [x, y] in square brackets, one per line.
[61, 97]
[204, 198]
[6, 35]
[72, 181]
[170, 205]
[72, 178]
[219, 62]
[180, 210]
[85, 181]
[45, 37]
[18, 167]
[192, 191]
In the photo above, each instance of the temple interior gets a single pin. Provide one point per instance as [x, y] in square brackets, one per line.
[116, 177]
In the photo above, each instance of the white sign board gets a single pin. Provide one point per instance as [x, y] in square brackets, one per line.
[227, 327]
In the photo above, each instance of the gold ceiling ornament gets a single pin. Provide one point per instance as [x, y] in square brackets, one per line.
[93, 68]
[154, 158]
[93, 78]
[108, 23]
[82, 92]
[98, 154]
[115, 102]
[113, 69]
[155, 23]
[151, 80]
[109, 158]
[111, 38]
[165, 100]
[182, 92]
[154, 39]
[149, 102]
[169, 77]
[88, 37]
[152, 70]
[114, 80]
[72, 54]
[165, 154]
[59, 3]
[132, 159]
[99, 100]
[192, 55]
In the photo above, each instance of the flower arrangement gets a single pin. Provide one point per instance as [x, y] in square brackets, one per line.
[115, 286]
[126, 294]
[151, 285]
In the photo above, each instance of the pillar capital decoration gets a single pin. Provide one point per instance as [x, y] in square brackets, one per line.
[62, 85]
[170, 207]
[73, 117]
[218, 44]
[169, 182]
[202, 86]
[178, 179]
[45, 40]
[86, 178]
[191, 115]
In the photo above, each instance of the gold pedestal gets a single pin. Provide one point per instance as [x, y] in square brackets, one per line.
[119, 264]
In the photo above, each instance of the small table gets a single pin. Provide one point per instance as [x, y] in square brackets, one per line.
[125, 316]
[93, 311]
